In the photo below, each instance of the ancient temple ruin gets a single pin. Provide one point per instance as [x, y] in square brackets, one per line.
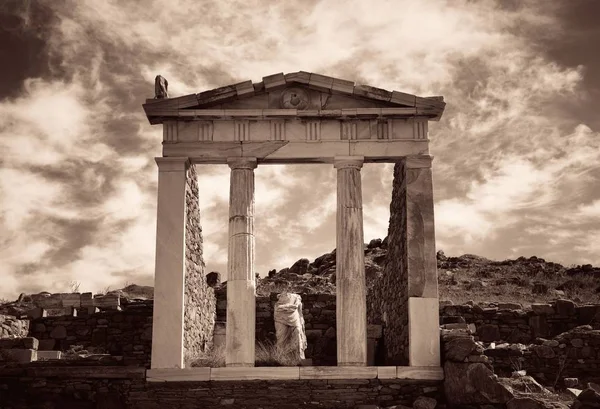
[287, 119]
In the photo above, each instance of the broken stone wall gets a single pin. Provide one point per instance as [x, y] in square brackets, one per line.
[126, 333]
[388, 301]
[573, 354]
[200, 301]
[509, 322]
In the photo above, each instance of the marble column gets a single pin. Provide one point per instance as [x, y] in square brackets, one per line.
[423, 303]
[241, 284]
[351, 303]
[169, 275]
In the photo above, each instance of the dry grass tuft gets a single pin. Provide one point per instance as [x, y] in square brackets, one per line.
[266, 354]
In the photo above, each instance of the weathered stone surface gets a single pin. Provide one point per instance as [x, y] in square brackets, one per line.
[542, 309]
[351, 292]
[19, 343]
[169, 275]
[527, 402]
[488, 333]
[565, 307]
[241, 285]
[466, 384]
[423, 402]
[59, 332]
[587, 399]
[544, 351]
[459, 348]
[200, 301]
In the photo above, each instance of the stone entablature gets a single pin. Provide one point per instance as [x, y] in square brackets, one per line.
[295, 118]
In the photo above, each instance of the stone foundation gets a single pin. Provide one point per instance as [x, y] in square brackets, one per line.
[52, 387]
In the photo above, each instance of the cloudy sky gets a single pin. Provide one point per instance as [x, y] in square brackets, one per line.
[517, 152]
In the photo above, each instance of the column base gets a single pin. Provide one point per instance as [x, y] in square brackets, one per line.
[423, 332]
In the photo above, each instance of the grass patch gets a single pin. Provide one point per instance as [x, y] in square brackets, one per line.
[266, 354]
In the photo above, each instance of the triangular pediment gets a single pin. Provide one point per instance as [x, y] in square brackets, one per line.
[301, 91]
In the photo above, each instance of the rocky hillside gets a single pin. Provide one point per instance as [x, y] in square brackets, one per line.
[461, 279]
[464, 278]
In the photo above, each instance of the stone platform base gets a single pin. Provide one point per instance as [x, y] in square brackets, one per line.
[29, 386]
[201, 374]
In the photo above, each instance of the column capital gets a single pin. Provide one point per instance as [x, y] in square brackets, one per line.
[419, 161]
[172, 164]
[241, 163]
[344, 162]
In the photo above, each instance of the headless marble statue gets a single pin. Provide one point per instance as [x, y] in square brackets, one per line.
[160, 87]
[289, 324]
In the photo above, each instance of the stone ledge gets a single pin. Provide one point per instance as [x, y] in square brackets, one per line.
[289, 373]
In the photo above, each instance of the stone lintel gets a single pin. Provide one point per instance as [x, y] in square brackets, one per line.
[419, 161]
[290, 152]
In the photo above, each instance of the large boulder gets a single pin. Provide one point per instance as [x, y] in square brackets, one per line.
[587, 399]
[457, 349]
[473, 384]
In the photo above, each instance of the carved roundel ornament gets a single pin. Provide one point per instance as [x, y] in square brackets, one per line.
[294, 98]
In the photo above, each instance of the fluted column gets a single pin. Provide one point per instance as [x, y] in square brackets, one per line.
[351, 304]
[241, 285]
[169, 275]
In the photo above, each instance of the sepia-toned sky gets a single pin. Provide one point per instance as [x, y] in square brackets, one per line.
[517, 152]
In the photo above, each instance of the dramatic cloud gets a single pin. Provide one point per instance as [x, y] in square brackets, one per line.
[514, 170]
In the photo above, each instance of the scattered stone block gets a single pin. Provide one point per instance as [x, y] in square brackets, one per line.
[565, 307]
[468, 384]
[86, 300]
[109, 301]
[37, 312]
[544, 309]
[72, 300]
[571, 382]
[509, 306]
[19, 355]
[459, 348]
[61, 311]
[47, 355]
[19, 343]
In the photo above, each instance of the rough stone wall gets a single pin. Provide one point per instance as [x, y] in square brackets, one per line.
[120, 387]
[200, 301]
[573, 354]
[126, 333]
[388, 300]
[12, 327]
[511, 323]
